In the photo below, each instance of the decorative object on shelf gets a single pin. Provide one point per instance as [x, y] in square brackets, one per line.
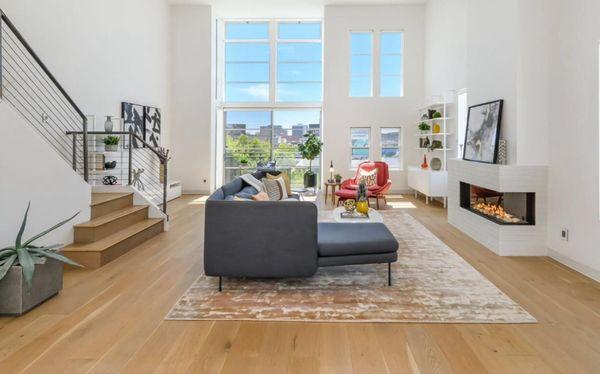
[436, 144]
[350, 205]
[30, 274]
[437, 114]
[331, 180]
[437, 128]
[111, 143]
[424, 127]
[97, 161]
[424, 117]
[502, 152]
[310, 149]
[136, 180]
[436, 164]
[426, 142]
[483, 131]
[430, 113]
[108, 124]
[133, 121]
[110, 165]
[109, 180]
[424, 165]
[338, 178]
[152, 126]
[362, 203]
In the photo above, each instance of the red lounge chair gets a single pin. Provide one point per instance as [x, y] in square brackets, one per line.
[349, 186]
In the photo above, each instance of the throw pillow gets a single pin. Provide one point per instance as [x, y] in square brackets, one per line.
[275, 189]
[368, 177]
[261, 196]
[247, 192]
[286, 179]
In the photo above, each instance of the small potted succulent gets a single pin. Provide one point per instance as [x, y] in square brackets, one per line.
[111, 143]
[30, 274]
[338, 178]
[424, 127]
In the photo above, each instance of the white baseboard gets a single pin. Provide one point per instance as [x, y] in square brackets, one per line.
[577, 266]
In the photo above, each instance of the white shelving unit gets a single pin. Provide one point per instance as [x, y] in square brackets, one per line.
[432, 183]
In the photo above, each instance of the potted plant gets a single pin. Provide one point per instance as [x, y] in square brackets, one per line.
[310, 149]
[338, 178]
[30, 274]
[424, 127]
[437, 115]
[111, 143]
[244, 161]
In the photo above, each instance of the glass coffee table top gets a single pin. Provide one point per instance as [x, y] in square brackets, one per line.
[374, 216]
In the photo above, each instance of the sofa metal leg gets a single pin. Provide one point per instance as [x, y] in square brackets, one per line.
[389, 274]
[220, 284]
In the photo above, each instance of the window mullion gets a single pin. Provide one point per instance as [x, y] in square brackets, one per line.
[272, 63]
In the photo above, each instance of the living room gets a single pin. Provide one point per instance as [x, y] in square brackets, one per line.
[312, 186]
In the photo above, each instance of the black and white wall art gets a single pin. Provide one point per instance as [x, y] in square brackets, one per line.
[483, 132]
[152, 126]
[133, 120]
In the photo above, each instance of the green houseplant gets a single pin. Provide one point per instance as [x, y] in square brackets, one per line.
[111, 143]
[244, 160]
[30, 274]
[424, 127]
[310, 149]
[338, 178]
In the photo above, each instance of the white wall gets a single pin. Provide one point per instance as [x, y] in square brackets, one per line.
[573, 136]
[192, 91]
[445, 46]
[102, 52]
[30, 170]
[341, 112]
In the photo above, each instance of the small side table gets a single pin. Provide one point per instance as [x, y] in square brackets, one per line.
[333, 186]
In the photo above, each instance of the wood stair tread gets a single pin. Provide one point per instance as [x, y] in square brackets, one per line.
[113, 239]
[95, 222]
[101, 198]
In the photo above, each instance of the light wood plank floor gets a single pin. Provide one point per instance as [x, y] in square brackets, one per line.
[110, 320]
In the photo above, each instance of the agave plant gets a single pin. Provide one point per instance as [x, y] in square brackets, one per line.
[28, 255]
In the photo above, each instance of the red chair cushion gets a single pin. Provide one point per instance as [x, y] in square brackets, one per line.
[348, 194]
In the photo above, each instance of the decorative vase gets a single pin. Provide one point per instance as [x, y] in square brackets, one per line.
[108, 124]
[350, 205]
[430, 113]
[362, 206]
[437, 128]
[424, 165]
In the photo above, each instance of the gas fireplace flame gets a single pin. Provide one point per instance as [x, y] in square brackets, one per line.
[496, 211]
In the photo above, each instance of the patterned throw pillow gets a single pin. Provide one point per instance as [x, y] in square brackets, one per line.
[275, 188]
[286, 179]
[368, 177]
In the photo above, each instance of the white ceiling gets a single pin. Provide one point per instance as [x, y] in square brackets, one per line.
[282, 8]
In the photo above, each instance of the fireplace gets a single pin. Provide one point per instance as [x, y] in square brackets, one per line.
[503, 208]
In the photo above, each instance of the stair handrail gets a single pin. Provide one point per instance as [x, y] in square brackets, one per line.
[4, 19]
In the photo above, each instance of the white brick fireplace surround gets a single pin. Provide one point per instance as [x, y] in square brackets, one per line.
[504, 240]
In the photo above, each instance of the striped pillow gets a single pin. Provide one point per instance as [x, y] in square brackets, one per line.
[275, 188]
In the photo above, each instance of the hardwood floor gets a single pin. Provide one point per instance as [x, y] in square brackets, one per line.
[110, 320]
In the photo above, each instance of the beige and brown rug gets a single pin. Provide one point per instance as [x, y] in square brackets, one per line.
[431, 283]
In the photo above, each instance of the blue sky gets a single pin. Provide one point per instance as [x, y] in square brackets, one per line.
[255, 119]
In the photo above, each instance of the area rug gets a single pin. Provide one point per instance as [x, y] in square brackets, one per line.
[431, 283]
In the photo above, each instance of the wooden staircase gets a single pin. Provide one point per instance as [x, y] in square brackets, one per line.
[116, 226]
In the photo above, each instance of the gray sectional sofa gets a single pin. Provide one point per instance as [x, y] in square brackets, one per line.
[282, 239]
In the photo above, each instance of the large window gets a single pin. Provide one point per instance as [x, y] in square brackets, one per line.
[258, 136]
[269, 92]
[361, 64]
[360, 144]
[391, 138]
[390, 64]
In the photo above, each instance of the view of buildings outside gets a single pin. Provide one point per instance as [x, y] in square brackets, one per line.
[251, 139]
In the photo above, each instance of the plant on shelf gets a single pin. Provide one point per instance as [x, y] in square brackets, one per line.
[424, 127]
[437, 115]
[310, 149]
[19, 264]
[111, 143]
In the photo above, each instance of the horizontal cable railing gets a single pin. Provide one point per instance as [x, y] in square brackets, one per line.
[29, 87]
[129, 162]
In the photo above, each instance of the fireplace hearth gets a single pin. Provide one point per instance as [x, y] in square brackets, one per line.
[503, 208]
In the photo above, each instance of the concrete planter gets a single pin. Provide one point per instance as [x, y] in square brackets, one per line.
[47, 282]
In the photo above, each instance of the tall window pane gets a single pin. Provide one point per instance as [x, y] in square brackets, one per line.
[390, 146]
[361, 64]
[299, 62]
[360, 144]
[391, 76]
[247, 59]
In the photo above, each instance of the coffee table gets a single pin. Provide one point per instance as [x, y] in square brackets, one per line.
[374, 216]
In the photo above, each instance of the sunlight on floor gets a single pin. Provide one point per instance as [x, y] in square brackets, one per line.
[401, 205]
[199, 201]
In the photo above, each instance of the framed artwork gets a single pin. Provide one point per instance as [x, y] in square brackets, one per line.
[152, 126]
[483, 132]
[133, 120]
